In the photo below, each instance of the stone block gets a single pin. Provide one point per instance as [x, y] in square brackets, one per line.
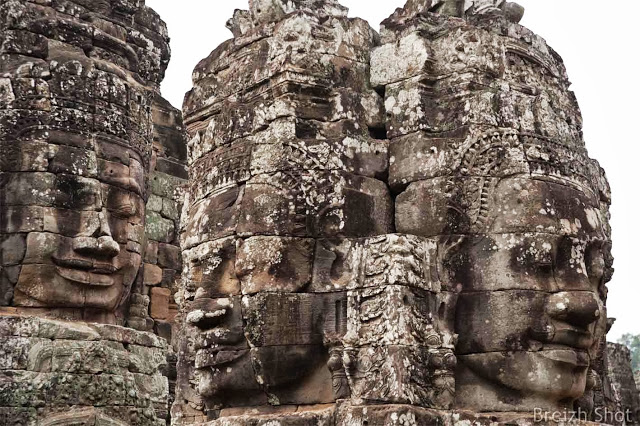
[164, 185]
[396, 315]
[170, 209]
[8, 279]
[422, 156]
[337, 264]
[22, 219]
[169, 256]
[151, 252]
[29, 189]
[73, 160]
[306, 318]
[13, 247]
[274, 264]
[71, 223]
[214, 218]
[158, 228]
[294, 374]
[390, 414]
[152, 275]
[422, 377]
[315, 204]
[154, 203]
[160, 299]
[224, 166]
[169, 278]
[84, 357]
[444, 206]
[31, 157]
[210, 269]
[408, 57]
[314, 416]
[24, 353]
[358, 155]
[522, 326]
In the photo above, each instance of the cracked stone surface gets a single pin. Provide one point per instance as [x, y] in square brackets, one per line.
[347, 227]
[407, 218]
[91, 161]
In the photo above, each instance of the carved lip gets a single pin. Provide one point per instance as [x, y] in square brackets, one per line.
[574, 338]
[205, 359]
[89, 265]
[571, 356]
[86, 277]
[219, 339]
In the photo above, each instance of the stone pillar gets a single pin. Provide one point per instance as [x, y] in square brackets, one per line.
[623, 386]
[487, 160]
[79, 98]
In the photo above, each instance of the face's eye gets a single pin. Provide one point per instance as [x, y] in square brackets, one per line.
[598, 260]
[124, 210]
[122, 203]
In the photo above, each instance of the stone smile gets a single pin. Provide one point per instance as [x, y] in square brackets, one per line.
[567, 356]
[87, 277]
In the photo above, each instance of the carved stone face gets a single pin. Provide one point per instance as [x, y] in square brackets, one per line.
[237, 341]
[75, 142]
[531, 311]
[88, 252]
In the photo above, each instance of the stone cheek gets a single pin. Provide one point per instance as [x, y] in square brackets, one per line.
[487, 164]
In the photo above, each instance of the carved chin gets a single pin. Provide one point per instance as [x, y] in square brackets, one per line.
[557, 374]
[224, 373]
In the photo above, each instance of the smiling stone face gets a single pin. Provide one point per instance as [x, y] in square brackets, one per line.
[531, 314]
[88, 251]
[75, 137]
[487, 158]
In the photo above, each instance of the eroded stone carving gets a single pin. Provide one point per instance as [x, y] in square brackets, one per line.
[78, 85]
[486, 291]
[55, 372]
[486, 153]
[391, 229]
[82, 128]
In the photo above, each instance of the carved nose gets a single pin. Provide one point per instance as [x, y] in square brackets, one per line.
[101, 244]
[579, 308]
[103, 247]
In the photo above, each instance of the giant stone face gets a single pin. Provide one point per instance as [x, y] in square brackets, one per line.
[404, 219]
[75, 128]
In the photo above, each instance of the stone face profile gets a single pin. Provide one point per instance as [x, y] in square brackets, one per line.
[78, 82]
[487, 157]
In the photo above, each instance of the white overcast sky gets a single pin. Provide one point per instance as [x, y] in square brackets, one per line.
[599, 42]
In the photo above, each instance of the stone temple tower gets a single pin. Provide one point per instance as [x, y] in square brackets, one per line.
[85, 137]
[393, 228]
